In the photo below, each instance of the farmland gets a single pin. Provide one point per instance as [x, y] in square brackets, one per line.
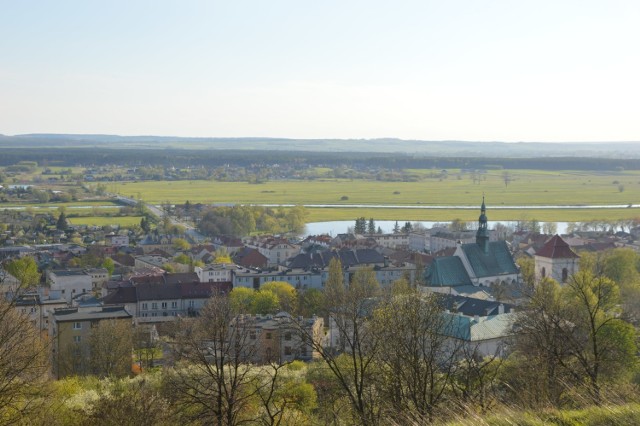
[453, 188]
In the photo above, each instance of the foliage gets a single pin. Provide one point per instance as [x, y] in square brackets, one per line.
[25, 270]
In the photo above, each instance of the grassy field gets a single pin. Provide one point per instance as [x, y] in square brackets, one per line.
[446, 215]
[123, 221]
[527, 187]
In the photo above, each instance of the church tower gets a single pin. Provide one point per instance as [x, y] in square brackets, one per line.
[482, 236]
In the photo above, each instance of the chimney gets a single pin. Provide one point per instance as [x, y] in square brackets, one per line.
[500, 309]
[476, 318]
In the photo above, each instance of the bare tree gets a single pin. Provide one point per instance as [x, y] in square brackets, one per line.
[354, 344]
[23, 355]
[418, 357]
[213, 382]
[110, 345]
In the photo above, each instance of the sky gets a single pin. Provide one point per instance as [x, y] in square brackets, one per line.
[477, 70]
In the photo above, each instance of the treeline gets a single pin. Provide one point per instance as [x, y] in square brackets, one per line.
[242, 220]
[168, 157]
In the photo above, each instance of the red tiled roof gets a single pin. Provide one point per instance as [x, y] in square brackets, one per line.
[556, 248]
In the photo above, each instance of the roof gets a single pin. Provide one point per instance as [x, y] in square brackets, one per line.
[120, 296]
[556, 248]
[497, 260]
[64, 315]
[470, 306]
[447, 271]
[483, 328]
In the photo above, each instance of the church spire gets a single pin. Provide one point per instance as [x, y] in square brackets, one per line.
[482, 235]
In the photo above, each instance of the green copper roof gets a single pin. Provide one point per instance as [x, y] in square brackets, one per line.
[447, 271]
[497, 260]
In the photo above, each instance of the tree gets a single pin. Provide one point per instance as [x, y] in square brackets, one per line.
[265, 302]
[110, 345]
[506, 178]
[407, 227]
[418, 358]
[601, 343]
[352, 360]
[145, 225]
[361, 226]
[241, 299]
[23, 364]
[221, 255]
[371, 227]
[396, 228]
[109, 265]
[286, 294]
[549, 228]
[212, 383]
[61, 224]
[180, 244]
[25, 270]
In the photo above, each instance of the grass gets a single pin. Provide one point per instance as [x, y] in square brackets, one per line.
[528, 187]
[446, 215]
[124, 221]
[618, 415]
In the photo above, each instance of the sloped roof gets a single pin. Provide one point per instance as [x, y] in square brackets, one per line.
[486, 328]
[497, 260]
[120, 296]
[556, 248]
[447, 271]
[470, 306]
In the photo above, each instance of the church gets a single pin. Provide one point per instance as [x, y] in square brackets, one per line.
[473, 265]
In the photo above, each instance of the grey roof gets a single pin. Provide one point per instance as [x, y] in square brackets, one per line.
[497, 261]
[447, 271]
[65, 315]
[470, 307]
[347, 258]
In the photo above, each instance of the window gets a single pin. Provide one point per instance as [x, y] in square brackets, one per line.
[154, 305]
[77, 339]
[164, 305]
[287, 335]
[268, 336]
[287, 350]
[174, 305]
[77, 325]
[192, 304]
[565, 275]
[145, 306]
[544, 272]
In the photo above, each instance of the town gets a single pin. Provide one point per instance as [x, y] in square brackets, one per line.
[143, 301]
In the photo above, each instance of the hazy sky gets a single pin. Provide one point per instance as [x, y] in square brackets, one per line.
[511, 70]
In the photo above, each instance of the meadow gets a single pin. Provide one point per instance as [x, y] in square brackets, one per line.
[525, 187]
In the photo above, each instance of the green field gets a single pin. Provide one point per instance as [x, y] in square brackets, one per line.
[527, 187]
[124, 221]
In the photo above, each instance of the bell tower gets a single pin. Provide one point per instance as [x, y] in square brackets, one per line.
[482, 236]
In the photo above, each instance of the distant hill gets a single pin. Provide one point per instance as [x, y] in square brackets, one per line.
[626, 150]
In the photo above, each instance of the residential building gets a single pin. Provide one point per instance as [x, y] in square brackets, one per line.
[70, 332]
[278, 338]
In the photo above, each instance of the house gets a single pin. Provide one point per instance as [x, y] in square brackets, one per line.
[67, 283]
[250, 258]
[394, 241]
[70, 333]
[160, 302]
[38, 309]
[276, 250]
[278, 338]
[217, 272]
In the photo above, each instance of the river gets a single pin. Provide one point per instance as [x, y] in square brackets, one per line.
[336, 227]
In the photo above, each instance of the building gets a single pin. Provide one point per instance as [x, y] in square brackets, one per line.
[71, 332]
[68, 283]
[481, 263]
[556, 260]
[215, 273]
[278, 338]
[38, 309]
